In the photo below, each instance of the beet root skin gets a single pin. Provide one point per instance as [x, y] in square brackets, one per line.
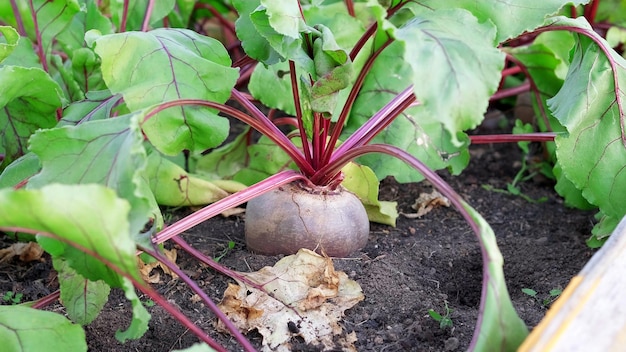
[293, 216]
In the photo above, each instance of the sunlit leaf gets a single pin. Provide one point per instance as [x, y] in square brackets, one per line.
[173, 186]
[511, 17]
[455, 67]
[90, 17]
[255, 45]
[107, 152]
[22, 54]
[415, 131]
[362, 181]
[28, 329]
[191, 66]
[74, 214]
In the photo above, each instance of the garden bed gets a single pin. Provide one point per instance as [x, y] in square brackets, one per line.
[404, 271]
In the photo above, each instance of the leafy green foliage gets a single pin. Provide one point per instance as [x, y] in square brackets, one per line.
[12, 297]
[97, 247]
[28, 329]
[445, 321]
[82, 298]
[197, 69]
[96, 102]
[593, 152]
[500, 325]
[29, 99]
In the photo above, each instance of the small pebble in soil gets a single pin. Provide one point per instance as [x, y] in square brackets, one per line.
[451, 344]
[378, 340]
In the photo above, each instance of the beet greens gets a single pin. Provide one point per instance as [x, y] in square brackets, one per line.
[112, 110]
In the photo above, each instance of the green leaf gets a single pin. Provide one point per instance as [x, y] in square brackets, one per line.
[277, 77]
[19, 170]
[433, 314]
[414, 131]
[345, 28]
[85, 69]
[90, 17]
[179, 17]
[530, 292]
[511, 17]
[270, 31]
[225, 161]
[91, 217]
[52, 18]
[108, 152]
[332, 19]
[82, 298]
[173, 186]
[139, 324]
[500, 325]
[28, 329]
[8, 42]
[191, 67]
[255, 45]
[97, 105]
[334, 72]
[362, 181]
[265, 159]
[593, 153]
[29, 99]
[612, 11]
[284, 16]
[22, 55]
[566, 189]
[455, 66]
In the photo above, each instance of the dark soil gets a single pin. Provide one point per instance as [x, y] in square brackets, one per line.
[421, 264]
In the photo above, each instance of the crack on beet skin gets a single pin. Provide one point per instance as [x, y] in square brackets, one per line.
[304, 224]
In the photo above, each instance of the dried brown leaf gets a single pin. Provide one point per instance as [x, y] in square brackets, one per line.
[308, 298]
[25, 251]
[427, 202]
[146, 268]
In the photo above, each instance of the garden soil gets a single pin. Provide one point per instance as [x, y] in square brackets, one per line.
[432, 262]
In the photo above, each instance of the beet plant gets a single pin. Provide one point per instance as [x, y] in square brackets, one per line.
[112, 109]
